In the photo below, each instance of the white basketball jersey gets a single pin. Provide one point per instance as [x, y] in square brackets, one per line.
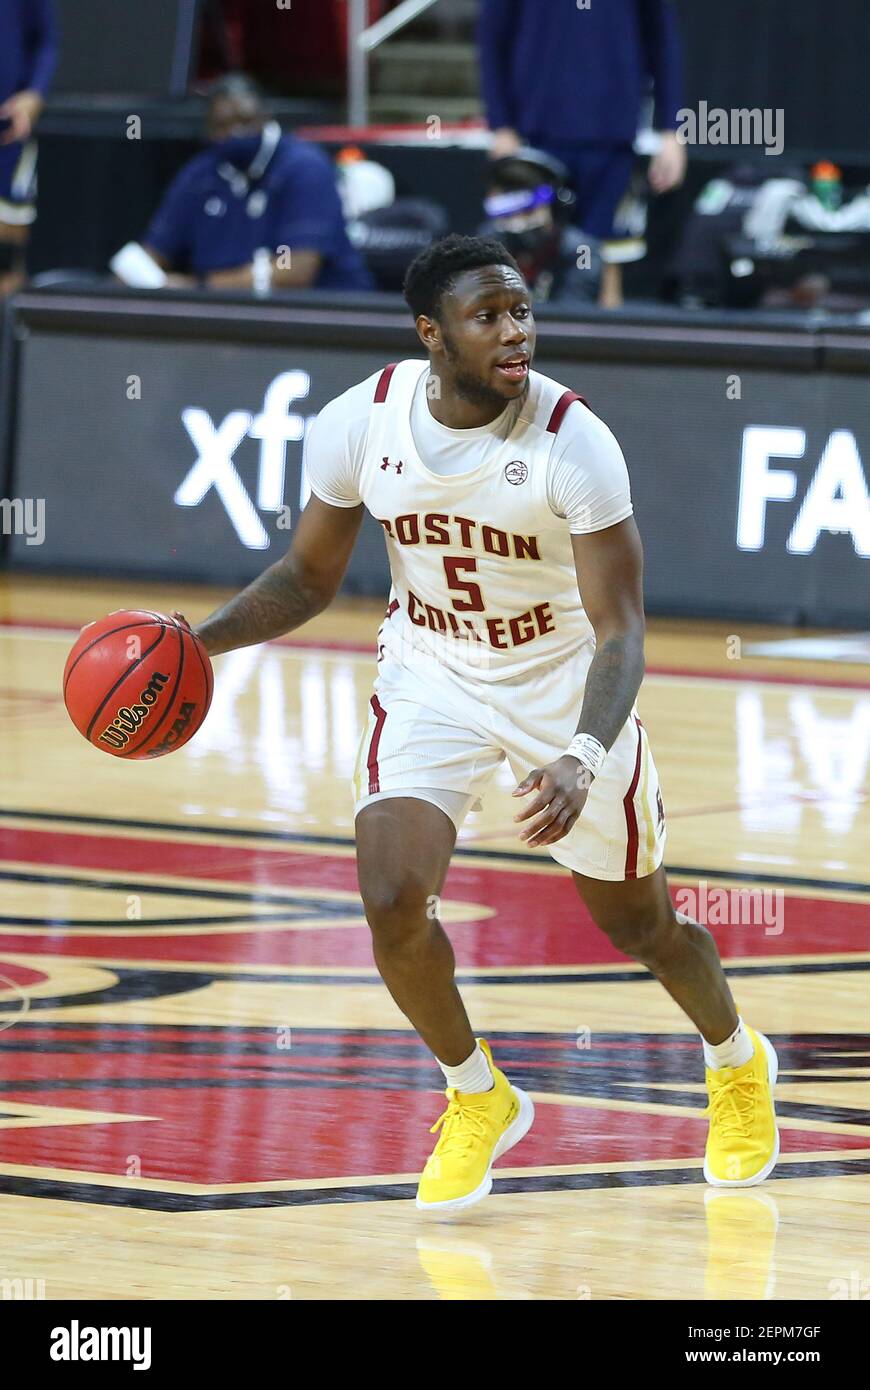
[483, 575]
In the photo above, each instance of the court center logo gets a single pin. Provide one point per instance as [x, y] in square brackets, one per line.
[516, 472]
[20, 1003]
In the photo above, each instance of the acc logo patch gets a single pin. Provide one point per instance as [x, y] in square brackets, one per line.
[516, 472]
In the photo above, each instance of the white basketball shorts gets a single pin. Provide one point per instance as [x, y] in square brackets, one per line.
[431, 731]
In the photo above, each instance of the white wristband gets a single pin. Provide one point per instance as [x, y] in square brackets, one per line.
[588, 751]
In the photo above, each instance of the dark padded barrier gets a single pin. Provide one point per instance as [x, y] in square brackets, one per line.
[151, 426]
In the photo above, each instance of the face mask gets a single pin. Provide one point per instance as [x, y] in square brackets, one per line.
[535, 250]
[238, 150]
[540, 242]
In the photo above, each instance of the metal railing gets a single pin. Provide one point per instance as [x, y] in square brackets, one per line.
[363, 38]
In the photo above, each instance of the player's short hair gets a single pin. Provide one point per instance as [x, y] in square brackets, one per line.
[434, 272]
[234, 84]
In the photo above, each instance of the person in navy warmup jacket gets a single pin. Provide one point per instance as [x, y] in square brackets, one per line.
[254, 190]
[28, 51]
[571, 80]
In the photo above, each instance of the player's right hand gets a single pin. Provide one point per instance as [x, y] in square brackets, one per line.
[180, 618]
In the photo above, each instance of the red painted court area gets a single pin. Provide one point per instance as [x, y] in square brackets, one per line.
[531, 921]
[237, 1108]
[201, 1104]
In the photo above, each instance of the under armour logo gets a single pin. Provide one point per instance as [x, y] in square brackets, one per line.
[386, 464]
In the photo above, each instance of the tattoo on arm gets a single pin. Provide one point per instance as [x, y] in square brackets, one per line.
[276, 602]
[612, 684]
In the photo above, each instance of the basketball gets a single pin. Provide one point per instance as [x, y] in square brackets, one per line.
[137, 684]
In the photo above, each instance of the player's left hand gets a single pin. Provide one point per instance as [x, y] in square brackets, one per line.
[563, 787]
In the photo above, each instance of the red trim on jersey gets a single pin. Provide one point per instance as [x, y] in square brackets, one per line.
[383, 385]
[372, 763]
[561, 406]
[392, 608]
[631, 814]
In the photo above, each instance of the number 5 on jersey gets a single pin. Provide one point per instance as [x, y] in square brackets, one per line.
[473, 600]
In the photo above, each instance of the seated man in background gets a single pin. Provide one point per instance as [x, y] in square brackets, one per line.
[256, 210]
[27, 59]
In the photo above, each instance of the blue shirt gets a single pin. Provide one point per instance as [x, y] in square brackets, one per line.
[28, 46]
[550, 69]
[216, 214]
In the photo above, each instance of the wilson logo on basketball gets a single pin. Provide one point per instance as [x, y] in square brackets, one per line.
[129, 717]
[179, 728]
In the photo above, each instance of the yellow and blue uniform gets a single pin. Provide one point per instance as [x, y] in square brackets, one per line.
[572, 82]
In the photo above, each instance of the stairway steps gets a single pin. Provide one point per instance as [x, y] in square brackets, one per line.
[447, 68]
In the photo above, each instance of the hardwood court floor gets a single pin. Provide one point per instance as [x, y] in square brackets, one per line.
[205, 1091]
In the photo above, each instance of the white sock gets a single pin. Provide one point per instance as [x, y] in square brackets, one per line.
[473, 1075]
[733, 1052]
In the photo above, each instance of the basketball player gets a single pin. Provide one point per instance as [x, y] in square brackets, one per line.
[503, 499]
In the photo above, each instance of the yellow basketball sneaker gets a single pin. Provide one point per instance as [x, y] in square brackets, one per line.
[476, 1129]
[743, 1142]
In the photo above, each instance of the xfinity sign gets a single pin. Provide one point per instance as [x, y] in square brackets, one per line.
[216, 443]
[779, 525]
[837, 499]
